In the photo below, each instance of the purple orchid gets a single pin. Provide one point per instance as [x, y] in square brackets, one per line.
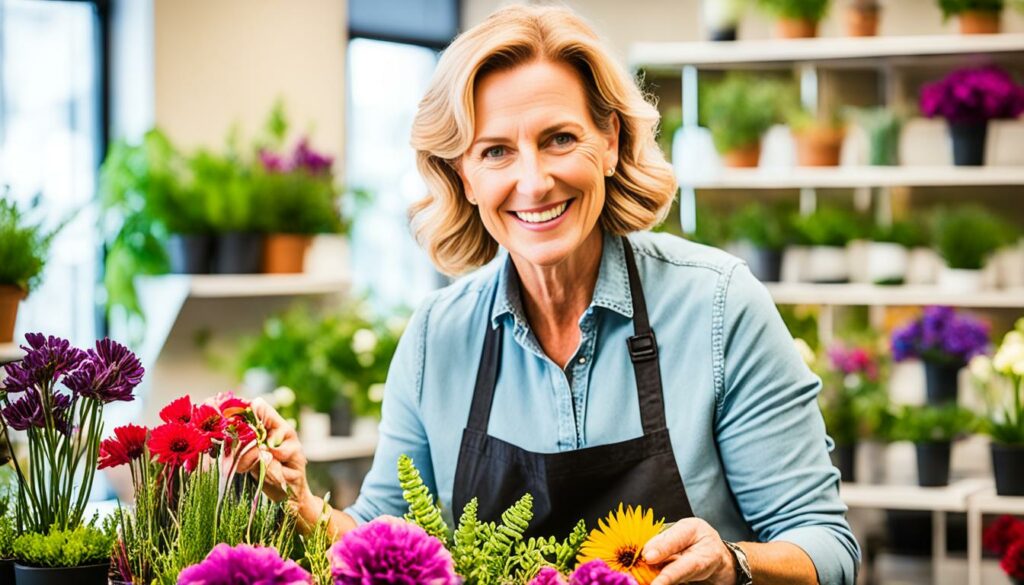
[973, 95]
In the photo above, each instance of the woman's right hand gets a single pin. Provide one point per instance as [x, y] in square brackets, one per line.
[284, 460]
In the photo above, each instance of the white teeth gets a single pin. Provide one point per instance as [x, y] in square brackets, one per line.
[543, 216]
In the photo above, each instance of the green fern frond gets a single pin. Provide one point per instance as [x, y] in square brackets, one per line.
[565, 557]
[422, 510]
[514, 523]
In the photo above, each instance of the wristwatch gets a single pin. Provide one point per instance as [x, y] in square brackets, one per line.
[743, 574]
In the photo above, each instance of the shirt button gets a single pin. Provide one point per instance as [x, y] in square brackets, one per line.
[582, 360]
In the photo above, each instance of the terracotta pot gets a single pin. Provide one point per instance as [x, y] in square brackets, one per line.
[745, 157]
[10, 296]
[819, 146]
[796, 28]
[284, 253]
[862, 21]
[979, 22]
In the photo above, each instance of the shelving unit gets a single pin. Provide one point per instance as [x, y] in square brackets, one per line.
[875, 295]
[858, 177]
[9, 352]
[334, 449]
[984, 502]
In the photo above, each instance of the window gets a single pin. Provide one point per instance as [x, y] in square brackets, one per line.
[50, 146]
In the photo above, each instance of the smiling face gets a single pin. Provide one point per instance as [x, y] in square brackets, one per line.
[538, 162]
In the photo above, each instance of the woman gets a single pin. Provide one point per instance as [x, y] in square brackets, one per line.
[542, 373]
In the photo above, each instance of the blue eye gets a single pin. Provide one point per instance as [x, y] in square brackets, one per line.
[563, 139]
[494, 152]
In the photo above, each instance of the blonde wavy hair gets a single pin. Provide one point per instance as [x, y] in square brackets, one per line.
[444, 223]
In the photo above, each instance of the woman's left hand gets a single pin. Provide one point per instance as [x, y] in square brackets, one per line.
[691, 551]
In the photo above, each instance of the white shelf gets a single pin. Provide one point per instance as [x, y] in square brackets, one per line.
[833, 49]
[875, 295]
[340, 449]
[10, 352]
[249, 285]
[951, 498]
[857, 177]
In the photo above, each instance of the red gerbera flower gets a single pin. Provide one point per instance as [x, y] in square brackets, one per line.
[230, 405]
[1013, 560]
[1002, 533]
[112, 454]
[179, 410]
[133, 439]
[176, 443]
[209, 421]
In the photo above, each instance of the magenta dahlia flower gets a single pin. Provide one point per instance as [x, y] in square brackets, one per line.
[244, 565]
[596, 572]
[391, 552]
[547, 576]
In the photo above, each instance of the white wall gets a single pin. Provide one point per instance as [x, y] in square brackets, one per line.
[219, 62]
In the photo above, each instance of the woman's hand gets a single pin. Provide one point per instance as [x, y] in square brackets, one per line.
[284, 461]
[691, 552]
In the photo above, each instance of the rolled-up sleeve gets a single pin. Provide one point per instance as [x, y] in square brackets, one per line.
[771, 435]
[401, 428]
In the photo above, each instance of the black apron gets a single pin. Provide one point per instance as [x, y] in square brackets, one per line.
[570, 485]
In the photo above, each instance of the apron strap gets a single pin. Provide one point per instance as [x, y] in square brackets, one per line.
[643, 351]
[486, 380]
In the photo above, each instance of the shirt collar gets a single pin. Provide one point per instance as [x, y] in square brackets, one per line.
[611, 291]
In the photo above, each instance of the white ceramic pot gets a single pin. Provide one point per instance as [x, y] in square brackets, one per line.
[718, 14]
[826, 264]
[923, 266]
[365, 426]
[314, 426]
[1009, 264]
[886, 262]
[793, 260]
[328, 256]
[957, 280]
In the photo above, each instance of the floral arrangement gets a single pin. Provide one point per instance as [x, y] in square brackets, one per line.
[1005, 537]
[853, 401]
[1001, 382]
[941, 335]
[189, 497]
[973, 95]
[56, 394]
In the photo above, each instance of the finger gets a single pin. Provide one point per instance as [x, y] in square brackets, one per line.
[267, 415]
[685, 569]
[247, 460]
[676, 539]
[288, 453]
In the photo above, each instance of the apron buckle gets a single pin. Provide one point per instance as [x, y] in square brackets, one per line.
[643, 347]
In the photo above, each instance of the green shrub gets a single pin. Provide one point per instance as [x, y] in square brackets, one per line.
[905, 233]
[23, 248]
[88, 544]
[827, 226]
[967, 235]
[882, 127]
[928, 424]
[764, 226]
[740, 109]
[797, 9]
[711, 229]
[954, 7]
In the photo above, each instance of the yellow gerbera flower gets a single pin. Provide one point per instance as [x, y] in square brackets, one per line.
[620, 540]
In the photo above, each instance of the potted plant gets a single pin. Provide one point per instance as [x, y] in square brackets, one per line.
[1005, 539]
[862, 18]
[722, 17]
[1001, 380]
[738, 111]
[63, 426]
[298, 195]
[23, 250]
[966, 237]
[882, 127]
[853, 401]
[932, 430]
[967, 99]
[819, 140]
[764, 228]
[61, 556]
[796, 18]
[944, 341]
[884, 259]
[825, 233]
[976, 16]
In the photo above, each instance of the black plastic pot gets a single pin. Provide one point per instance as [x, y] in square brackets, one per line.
[190, 253]
[87, 575]
[968, 143]
[6, 570]
[766, 265]
[843, 458]
[238, 253]
[341, 418]
[933, 463]
[941, 383]
[1008, 465]
[723, 34]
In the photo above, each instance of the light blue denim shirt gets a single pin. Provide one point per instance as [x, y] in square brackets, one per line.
[741, 404]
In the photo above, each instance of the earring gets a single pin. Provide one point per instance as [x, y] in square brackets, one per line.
[472, 201]
[609, 172]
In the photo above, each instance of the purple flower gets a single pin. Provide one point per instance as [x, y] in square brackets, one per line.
[973, 95]
[392, 552]
[547, 576]
[596, 572]
[46, 358]
[109, 373]
[273, 162]
[941, 335]
[28, 412]
[244, 565]
[305, 157]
